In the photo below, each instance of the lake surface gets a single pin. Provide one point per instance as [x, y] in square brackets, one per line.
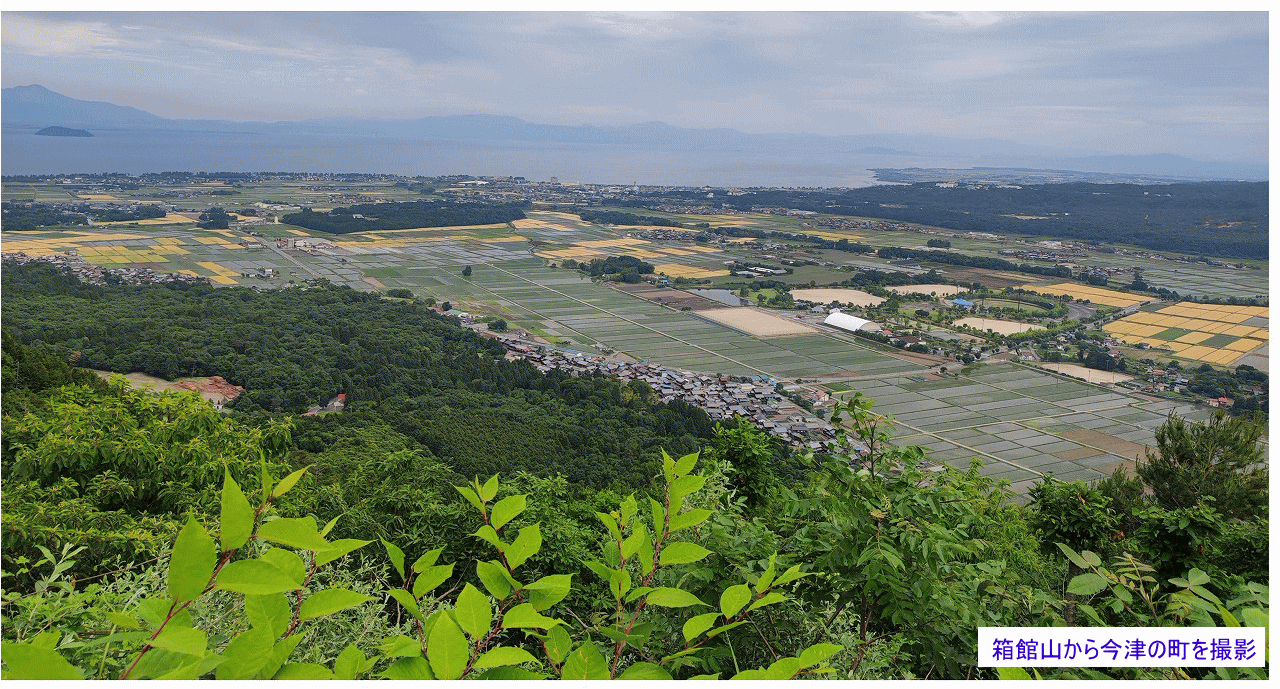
[135, 152]
[723, 296]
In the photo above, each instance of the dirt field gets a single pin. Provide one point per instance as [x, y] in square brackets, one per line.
[674, 298]
[1001, 327]
[993, 279]
[1088, 374]
[940, 290]
[756, 322]
[213, 389]
[856, 297]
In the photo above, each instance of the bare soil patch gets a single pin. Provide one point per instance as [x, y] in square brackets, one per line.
[756, 322]
[856, 297]
[213, 389]
[940, 290]
[1001, 327]
[1089, 375]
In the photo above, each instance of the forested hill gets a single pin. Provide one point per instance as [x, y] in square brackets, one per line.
[369, 217]
[422, 373]
[1209, 218]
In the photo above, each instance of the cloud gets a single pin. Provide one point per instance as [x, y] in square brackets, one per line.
[36, 36]
[964, 20]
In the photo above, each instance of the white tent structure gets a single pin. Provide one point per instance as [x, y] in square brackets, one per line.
[845, 321]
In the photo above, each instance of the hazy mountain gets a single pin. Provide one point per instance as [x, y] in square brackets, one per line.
[35, 107]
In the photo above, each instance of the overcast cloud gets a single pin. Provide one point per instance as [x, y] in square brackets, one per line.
[1193, 84]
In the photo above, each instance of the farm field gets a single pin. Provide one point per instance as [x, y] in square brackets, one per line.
[940, 290]
[1022, 423]
[1095, 295]
[1088, 374]
[756, 322]
[856, 297]
[998, 326]
[1216, 334]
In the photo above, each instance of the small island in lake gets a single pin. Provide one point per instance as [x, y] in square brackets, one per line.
[63, 131]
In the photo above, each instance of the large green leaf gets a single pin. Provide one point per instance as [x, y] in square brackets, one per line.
[255, 577]
[397, 557]
[549, 590]
[1008, 673]
[337, 549]
[279, 654]
[182, 640]
[506, 509]
[236, 521]
[817, 653]
[431, 578]
[406, 601]
[288, 562]
[767, 599]
[427, 559]
[302, 534]
[672, 598]
[288, 482]
[194, 669]
[296, 671]
[473, 612]
[246, 654]
[447, 649]
[526, 545]
[503, 655]
[523, 616]
[687, 519]
[681, 552]
[585, 663]
[350, 664]
[684, 465]
[409, 668]
[329, 601]
[192, 562]
[1086, 584]
[557, 644]
[400, 646]
[491, 575]
[30, 662]
[734, 599]
[490, 488]
[271, 612]
[695, 626]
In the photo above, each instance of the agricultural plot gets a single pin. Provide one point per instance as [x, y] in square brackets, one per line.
[1211, 333]
[997, 326]
[855, 297]
[1095, 295]
[755, 322]
[940, 290]
[1022, 423]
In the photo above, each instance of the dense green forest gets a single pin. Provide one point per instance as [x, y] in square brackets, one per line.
[405, 215]
[1203, 218]
[25, 217]
[151, 536]
[624, 218]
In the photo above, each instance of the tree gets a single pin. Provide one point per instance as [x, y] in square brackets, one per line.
[498, 326]
[446, 306]
[466, 272]
[215, 219]
[1221, 458]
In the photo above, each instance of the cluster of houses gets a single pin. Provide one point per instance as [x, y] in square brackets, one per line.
[87, 272]
[757, 400]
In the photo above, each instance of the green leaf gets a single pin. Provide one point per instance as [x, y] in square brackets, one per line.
[279, 654]
[706, 677]
[656, 511]
[488, 535]
[724, 628]
[681, 552]
[695, 626]
[288, 562]
[244, 657]
[399, 646]
[510, 673]
[473, 612]
[1012, 673]
[523, 616]
[766, 579]
[122, 621]
[409, 668]
[431, 579]
[489, 489]
[192, 562]
[406, 601]
[428, 558]
[611, 524]
[471, 497]
[297, 671]
[1227, 617]
[29, 662]
[295, 533]
[506, 509]
[1253, 617]
[271, 612]
[182, 640]
[329, 526]
[288, 482]
[1074, 557]
[687, 519]
[326, 602]
[685, 464]
[397, 558]
[1086, 584]
[447, 649]
[644, 670]
[338, 549]
[755, 675]
[255, 577]
[526, 545]
[549, 590]
[734, 599]
[236, 520]
[784, 668]
[767, 599]
[672, 598]
[350, 664]
[817, 653]
[266, 482]
[557, 644]
[633, 542]
[491, 575]
[585, 663]
[793, 573]
[503, 655]
[195, 668]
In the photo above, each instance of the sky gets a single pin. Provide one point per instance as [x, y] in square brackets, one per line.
[1193, 84]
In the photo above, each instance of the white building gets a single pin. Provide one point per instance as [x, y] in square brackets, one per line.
[848, 322]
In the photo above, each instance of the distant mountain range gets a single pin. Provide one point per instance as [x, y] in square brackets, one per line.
[36, 107]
